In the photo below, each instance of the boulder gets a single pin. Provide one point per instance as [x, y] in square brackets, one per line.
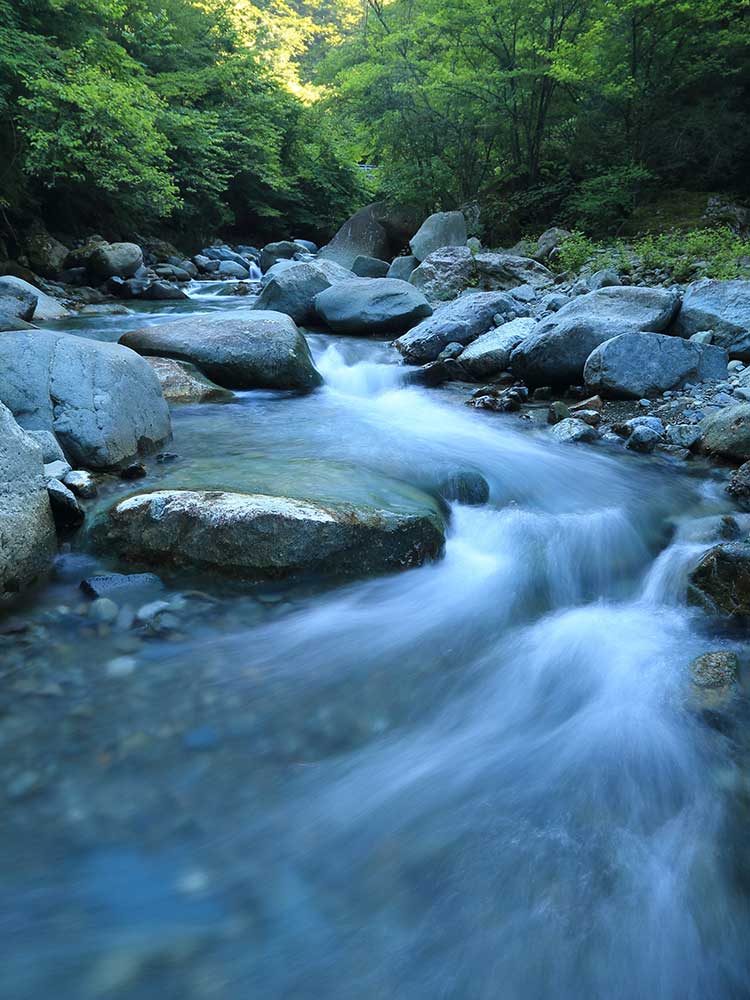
[457, 322]
[371, 306]
[723, 307]
[251, 350]
[102, 402]
[115, 260]
[466, 487]
[51, 450]
[490, 353]
[641, 365]
[181, 382]
[550, 242]
[555, 354]
[274, 252]
[402, 267]
[16, 302]
[46, 307]
[292, 289]
[307, 245]
[443, 229]
[231, 269]
[258, 537]
[570, 430]
[714, 679]
[727, 432]
[369, 267]
[379, 230]
[27, 531]
[720, 583]
[66, 510]
[738, 486]
[451, 270]
[46, 255]
[162, 291]
[79, 256]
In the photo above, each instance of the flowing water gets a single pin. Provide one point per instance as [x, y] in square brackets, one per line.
[477, 779]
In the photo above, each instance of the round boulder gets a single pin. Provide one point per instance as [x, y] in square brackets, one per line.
[115, 260]
[371, 305]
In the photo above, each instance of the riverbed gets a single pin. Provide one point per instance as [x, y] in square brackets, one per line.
[482, 779]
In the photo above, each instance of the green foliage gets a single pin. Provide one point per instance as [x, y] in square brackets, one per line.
[600, 201]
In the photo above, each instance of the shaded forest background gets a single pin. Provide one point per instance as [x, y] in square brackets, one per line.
[194, 117]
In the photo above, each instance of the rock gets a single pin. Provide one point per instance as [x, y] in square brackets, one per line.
[703, 337]
[135, 470]
[27, 531]
[557, 411]
[115, 260]
[451, 270]
[379, 230]
[283, 265]
[273, 252]
[56, 469]
[524, 293]
[51, 450]
[46, 255]
[231, 269]
[643, 439]
[46, 307]
[162, 291]
[258, 537]
[590, 403]
[369, 267]
[103, 610]
[450, 352]
[549, 243]
[9, 324]
[467, 487]
[570, 430]
[456, 322]
[738, 487]
[251, 350]
[607, 278]
[723, 307]
[639, 365]
[82, 483]
[491, 352]
[720, 583]
[17, 302]
[683, 435]
[102, 402]
[66, 510]
[554, 301]
[507, 401]
[205, 265]
[402, 267]
[181, 382]
[727, 432]
[292, 289]
[443, 229]
[555, 354]
[78, 256]
[714, 680]
[131, 587]
[371, 306]
[307, 245]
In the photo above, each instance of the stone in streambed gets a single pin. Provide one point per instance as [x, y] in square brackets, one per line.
[46, 306]
[723, 307]
[370, 267]
[442, 229]
[291, 289]
[714, 680]
[252, 350]
[720, 583]
[727, 432]
[490, 353]
[181, 382]
[115, 260]
[371, 305]
[258, 537]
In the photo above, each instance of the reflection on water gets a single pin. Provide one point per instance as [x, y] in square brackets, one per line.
[477, 779]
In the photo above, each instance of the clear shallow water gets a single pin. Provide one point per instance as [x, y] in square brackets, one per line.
[477, 779]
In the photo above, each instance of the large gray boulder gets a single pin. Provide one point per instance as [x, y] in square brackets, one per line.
[443, 229]
[115, 260]
[722, 307]
[46, 307]
[402, 267]
[727, 432]
[555, 354]
[231, 269]
[292, 289]
[371, 306]
[379, 230]
[447, 272]
[258, 537]
[16, 302]
[638, 365]
[272, 253]
[550, 242]
[251, 350]
[102, 402]
[27, 531]
[491, 352]
[369, 267]
[457, 322]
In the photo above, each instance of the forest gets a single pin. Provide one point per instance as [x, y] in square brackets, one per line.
[258, 116]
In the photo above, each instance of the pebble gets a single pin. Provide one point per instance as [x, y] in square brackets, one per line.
[121, 666]
[103, 609]
[645, 403]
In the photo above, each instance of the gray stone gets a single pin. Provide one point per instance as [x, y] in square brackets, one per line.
[460, 322]
[231, 269]
[554, 301]
[727, 432]
[46, 307]
[555, 354]
[550, 242]
[379, 230]
[703, 337]
[103, 403]
[258, 537]
[466, 487]
[248, 350]
[131, 587]
[570, 430]
[684, 435]
[273, 252]
[307, 245]
[56, 469]
[292, 290]
[82, 483]
[27, 531]
[51, 450]
[181, 382]
[16, 302]
[443, 229]
[402, 267]
[371, 305]
[639, 365]
[369, 267]
[104, 610]
[115, 260]
[644, 439]
[66, 510]
[278, 268]
[722, 307]
[451, 270]
[491, 352]
[606, 278]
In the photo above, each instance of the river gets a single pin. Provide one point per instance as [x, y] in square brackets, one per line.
[476, 780]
